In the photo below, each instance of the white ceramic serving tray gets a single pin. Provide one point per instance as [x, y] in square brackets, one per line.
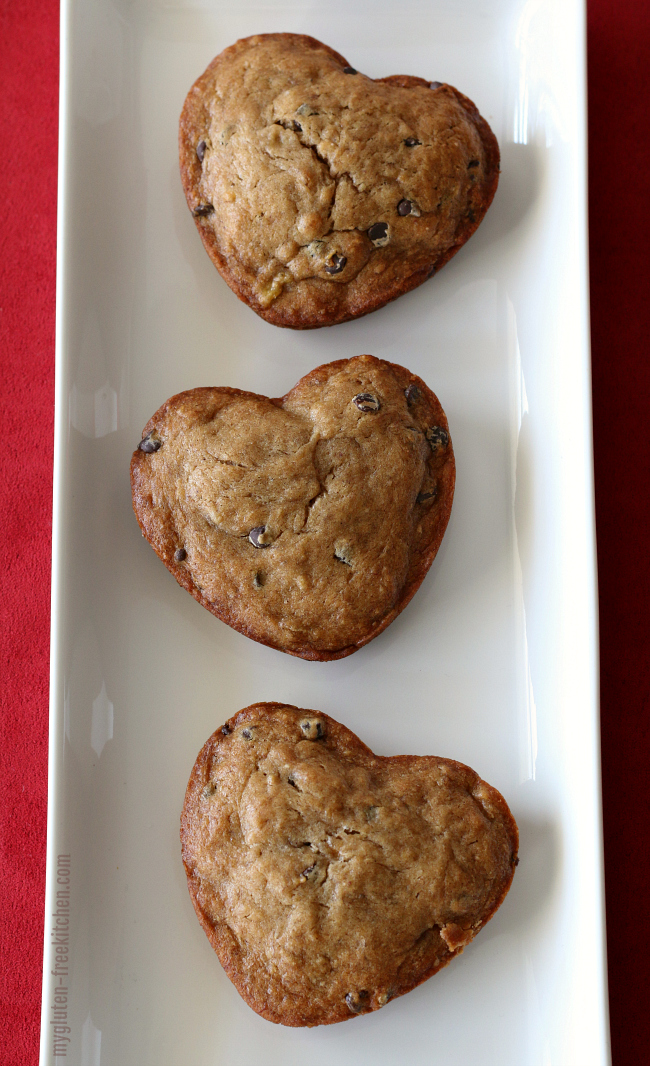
[494, 663]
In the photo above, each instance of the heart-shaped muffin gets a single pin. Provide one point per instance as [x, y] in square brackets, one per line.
[320, 194]
[306, 522]
[328, 879]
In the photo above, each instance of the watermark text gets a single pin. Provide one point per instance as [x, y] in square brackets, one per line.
[60, 942]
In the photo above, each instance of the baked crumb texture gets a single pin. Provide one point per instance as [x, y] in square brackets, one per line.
[307, 522]
[330, 880]
[320, 194]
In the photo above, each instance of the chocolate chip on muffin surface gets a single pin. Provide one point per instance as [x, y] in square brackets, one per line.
[321, 196]
[330, 880]
[307, 522]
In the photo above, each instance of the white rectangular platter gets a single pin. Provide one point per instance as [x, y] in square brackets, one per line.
[494, 663]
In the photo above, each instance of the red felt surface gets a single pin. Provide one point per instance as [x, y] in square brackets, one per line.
[619, 83]
[29, 41]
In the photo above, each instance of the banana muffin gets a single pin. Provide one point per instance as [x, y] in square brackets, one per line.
[330, 880]
[306, 522]
[321, 194]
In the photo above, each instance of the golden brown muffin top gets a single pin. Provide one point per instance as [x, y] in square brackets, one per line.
[320, 193]
[328, 879]
[308, 522]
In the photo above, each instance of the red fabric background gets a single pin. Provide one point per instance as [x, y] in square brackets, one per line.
[619, 81]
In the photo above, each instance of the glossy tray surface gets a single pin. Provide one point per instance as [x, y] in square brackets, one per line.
[494, 662]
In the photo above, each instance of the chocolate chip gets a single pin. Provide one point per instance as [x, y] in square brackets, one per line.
[309, 870]
[473, 163]
[149, 444]
[336, 264]
[435, 84]
[297, 127]
[246, 733]
[412, 394]
[313, 729]
[202, 209]
[200, 150]
[225, 729]
[349, 70]
[255, 535]
[437, 437]
[422, 496]
[357, 1001]
[365, 401]
[517, 861]
[411, 142]
[378, 231]
[404, 207]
